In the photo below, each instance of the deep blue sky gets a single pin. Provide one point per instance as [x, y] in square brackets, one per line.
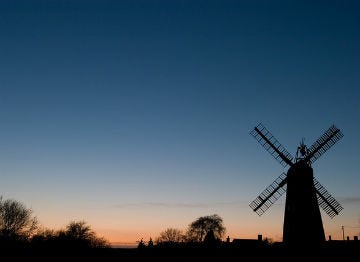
[143, 108]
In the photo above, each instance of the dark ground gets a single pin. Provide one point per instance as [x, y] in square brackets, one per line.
[332, 251]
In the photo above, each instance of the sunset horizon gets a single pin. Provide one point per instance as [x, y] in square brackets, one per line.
[139, 116]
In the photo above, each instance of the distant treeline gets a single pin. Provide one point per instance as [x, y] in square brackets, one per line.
[19, 227]
[21, 238]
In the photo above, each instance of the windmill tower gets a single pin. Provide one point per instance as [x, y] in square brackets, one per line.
[304, 194]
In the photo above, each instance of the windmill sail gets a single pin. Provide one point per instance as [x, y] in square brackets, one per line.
[327, 140]
[304, 194]
[270, 143]
[326, 201]
[269, 196]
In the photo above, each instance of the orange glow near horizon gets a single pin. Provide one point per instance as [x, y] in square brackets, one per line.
[129, 231]
[271, 231]
[126, 226]
[131, 237]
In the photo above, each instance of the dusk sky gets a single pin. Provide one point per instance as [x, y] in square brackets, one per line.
[135, 115]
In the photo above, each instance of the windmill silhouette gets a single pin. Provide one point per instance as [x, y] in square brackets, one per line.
[304, 194]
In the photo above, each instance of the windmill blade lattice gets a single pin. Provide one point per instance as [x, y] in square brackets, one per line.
[327, 140]
[270, 143]
[269, 196]
[326, 201]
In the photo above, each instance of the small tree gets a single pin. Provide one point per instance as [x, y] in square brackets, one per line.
[170, 235]
[81, 233]
[79, 230]
[16, 221]
[150, 243]
[200, 227]
[141, 244]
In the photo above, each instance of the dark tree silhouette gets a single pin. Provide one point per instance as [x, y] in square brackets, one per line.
[81, 232]
[150, 243]
[170, 235]
[210, 240]
[77, 235]
[45, 236]
[141, 244]
[200, 227]
[16, 221]
[210, 236]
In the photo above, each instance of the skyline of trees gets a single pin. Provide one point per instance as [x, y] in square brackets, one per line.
[17, 222]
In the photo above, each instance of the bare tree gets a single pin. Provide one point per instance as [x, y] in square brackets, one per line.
[170, 235]
[80, 231]
[200, 227]
[16, 221]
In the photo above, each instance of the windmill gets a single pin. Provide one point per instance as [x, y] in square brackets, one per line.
[304, 194]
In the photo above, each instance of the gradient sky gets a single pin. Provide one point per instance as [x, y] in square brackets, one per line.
[135, 115]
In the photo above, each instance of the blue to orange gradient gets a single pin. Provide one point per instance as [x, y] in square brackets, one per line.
[135, 115]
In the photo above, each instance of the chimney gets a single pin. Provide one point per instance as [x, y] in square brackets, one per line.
[356, 238]
[259, 238]
[228, 239]
[329, 237]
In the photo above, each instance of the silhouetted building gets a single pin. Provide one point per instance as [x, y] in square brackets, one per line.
[304, 194]
[248, 243]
